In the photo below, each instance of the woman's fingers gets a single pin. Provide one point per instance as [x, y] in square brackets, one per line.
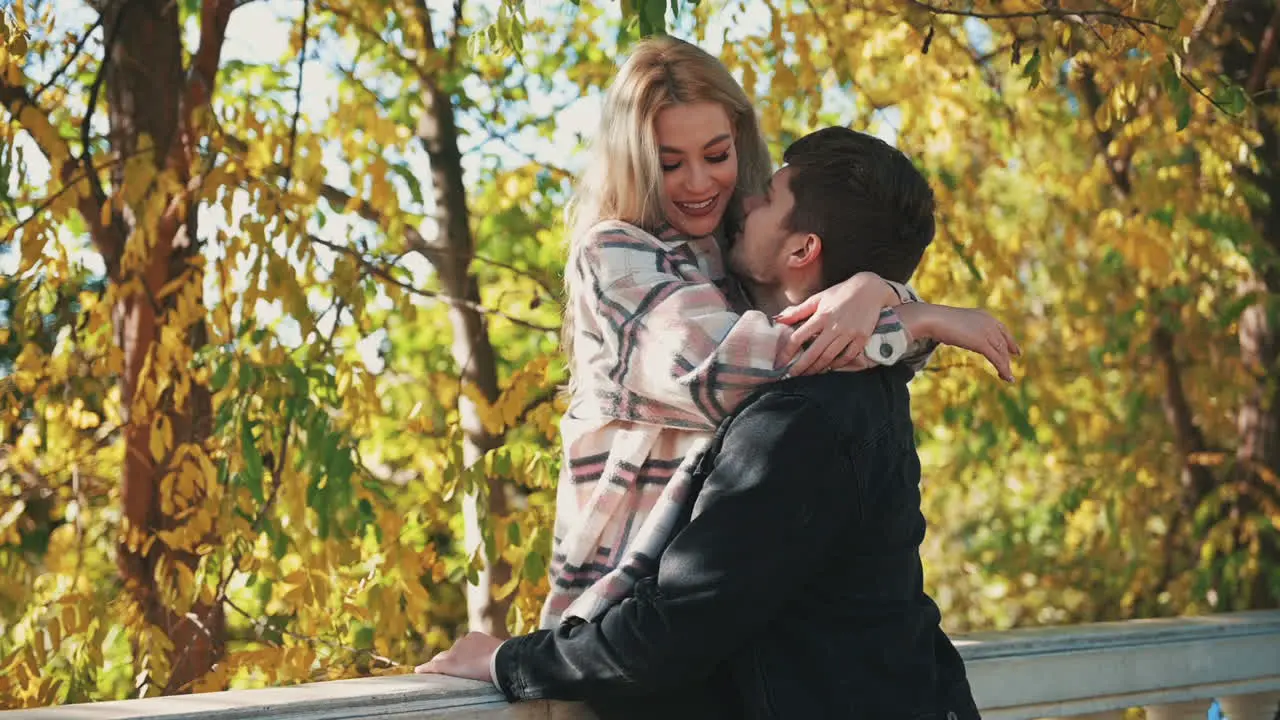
[796, 313]
[851, 359]
[1008, 337]
[997, 352]
[812, 328]
[809, 361]
[835, 350]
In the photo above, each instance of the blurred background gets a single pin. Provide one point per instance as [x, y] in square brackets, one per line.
[282, 281]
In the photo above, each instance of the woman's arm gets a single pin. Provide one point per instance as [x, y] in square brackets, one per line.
[969, 328]
[833, 313]
[675, 342]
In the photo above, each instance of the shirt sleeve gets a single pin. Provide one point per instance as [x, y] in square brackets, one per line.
[673, 341]
[493, 669]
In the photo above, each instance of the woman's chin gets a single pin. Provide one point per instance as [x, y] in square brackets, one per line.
[698, 226]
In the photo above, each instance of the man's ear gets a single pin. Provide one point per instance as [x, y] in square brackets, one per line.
[805, 253]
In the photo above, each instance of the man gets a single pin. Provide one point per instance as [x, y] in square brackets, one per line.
[793, 587]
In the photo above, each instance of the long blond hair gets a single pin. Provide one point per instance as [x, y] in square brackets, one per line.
[623, 177]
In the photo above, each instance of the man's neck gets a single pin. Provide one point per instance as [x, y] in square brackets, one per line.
[773, 299]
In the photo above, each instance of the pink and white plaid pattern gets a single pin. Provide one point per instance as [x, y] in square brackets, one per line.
[664, 350]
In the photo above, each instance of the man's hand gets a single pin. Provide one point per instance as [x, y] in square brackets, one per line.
[973, 330]
[839, 320]
[470, 657]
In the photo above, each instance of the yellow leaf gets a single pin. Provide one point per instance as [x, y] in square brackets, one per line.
[33, 242]
[161, 437]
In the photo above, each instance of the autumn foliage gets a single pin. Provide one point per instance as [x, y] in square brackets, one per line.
[279, 372]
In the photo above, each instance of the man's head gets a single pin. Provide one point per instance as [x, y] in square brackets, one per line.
[845, 202]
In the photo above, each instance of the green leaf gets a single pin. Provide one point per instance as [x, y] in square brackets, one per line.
[1018, 418]
[1184, 111]
[252, 462]
[1231, 98]
[221, 375]
[1236, 308]
[415, 187]
[535, 566]
[363, 639]
[281, 545]
[1032, 69]
[474, 566]
[513, 533]
[653, 17]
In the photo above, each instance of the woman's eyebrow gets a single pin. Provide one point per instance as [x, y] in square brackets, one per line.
[717, 139]
[712, 141]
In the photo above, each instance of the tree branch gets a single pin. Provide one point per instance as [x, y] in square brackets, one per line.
[1113, 16]
[260, 625]
[75, 53]
[385, 275]
[1189, 439]
[1118, 166]
[57, 151]
[1266, 56]
[342, 200]
[214, 17]
[455, 33]
[297, 97]
[67, 187]
[371, 33]
[86, 148]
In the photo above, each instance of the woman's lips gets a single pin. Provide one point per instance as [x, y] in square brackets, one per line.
[700, 208]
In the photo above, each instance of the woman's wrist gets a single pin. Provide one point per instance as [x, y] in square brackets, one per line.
[919, 318]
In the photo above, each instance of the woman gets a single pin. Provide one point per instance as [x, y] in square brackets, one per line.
[661, 341]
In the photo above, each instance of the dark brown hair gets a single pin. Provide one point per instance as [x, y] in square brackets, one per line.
[871, 207]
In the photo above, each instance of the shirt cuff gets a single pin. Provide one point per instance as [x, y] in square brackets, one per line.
[889, 341]
[493, 668]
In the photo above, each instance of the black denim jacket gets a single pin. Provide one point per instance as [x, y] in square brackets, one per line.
[794, 589]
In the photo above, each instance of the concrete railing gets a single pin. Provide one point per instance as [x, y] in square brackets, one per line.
[1174, 668]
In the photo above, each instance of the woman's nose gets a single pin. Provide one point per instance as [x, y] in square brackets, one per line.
[699, 178]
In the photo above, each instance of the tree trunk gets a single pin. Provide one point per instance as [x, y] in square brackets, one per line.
[450, 253]
[1248, 60]
[145, 86]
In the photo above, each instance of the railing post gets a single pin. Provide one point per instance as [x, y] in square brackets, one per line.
[1258, 706]
[1191, 710]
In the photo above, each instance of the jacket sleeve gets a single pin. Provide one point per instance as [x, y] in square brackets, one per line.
[780, 488]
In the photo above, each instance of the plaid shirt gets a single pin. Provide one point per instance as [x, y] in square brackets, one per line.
[664, 350]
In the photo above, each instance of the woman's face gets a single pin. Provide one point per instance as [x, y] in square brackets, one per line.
[699, 165]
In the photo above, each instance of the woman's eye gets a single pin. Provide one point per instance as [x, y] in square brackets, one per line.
[669, 168]
[719, 158]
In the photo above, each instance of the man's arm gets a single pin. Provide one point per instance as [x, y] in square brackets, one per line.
[780, 489]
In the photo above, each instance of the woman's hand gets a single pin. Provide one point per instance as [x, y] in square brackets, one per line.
[839, 320]
[468, 658]
[968, 328]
